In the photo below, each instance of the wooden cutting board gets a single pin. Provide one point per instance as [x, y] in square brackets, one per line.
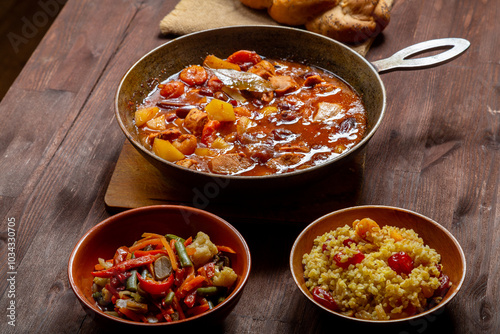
[136, 183]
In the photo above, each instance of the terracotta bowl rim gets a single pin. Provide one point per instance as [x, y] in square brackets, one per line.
[232, 298]
[376, 207]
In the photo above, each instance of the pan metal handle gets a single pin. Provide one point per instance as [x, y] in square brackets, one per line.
[399, 61]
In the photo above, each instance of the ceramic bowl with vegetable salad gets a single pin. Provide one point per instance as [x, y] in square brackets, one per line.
[163, 265]
[164, 278]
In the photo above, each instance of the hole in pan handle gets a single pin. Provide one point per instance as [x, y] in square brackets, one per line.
[399, 61]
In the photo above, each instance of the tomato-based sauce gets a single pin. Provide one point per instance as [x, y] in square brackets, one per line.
[247, 115]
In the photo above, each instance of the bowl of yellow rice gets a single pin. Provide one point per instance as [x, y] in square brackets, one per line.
[377, 264]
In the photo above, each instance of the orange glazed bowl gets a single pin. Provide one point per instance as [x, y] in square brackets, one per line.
[433, 235]
[124, 228]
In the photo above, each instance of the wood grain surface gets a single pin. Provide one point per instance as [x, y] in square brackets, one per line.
[437, 153]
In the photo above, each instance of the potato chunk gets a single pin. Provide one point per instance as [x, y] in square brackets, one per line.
[221, 111]
[143, 115]
[164, 149]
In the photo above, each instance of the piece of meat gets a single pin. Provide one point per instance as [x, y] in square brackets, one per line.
[283, 84]
[298, 147]
[263, 69]
[229, 163]
[188, 163]
[168, 134]
[313, 80]
[285, 160]
[186, 144]
[195, 121]
[328, 111]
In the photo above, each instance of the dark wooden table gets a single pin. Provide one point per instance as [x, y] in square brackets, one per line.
[437, 153]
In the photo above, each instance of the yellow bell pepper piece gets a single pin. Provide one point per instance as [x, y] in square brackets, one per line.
[212, 61]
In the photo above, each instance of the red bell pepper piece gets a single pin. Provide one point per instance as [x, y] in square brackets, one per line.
[209, 132]
[324, 298]
[180, 275]
[357, 258]
[120, 255]
[190, 299]
[132, 315]
[153, 287]
[208, 270]
[124, 266]
[401, 263]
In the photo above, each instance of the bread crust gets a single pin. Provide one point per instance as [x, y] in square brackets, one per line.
[348, 21]
[298, 12]
[352, 21]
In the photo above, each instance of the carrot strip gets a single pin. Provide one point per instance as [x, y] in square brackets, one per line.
[98, 267]
[144, 243]
[151, 235]
[178, 308]
[140, 253]
[188, 241]
[190, 284]
[170, 252]
[190, 251]
[225, 249]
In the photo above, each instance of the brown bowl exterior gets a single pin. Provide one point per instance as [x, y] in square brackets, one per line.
[271, 42]
[126, 227]
[433, 234]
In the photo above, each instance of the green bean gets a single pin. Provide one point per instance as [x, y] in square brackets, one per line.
[181, 253]
[207, 291]
[169, 298]
[96, 295]
[176, 238]
[131, 284]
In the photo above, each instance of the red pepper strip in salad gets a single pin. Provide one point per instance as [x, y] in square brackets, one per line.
[198, 309]
[207, 271]
[124, 266]
[120, 255]
[190, 299]
[225, 249]
[324, 298]
[132, 315]
[153, 287]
